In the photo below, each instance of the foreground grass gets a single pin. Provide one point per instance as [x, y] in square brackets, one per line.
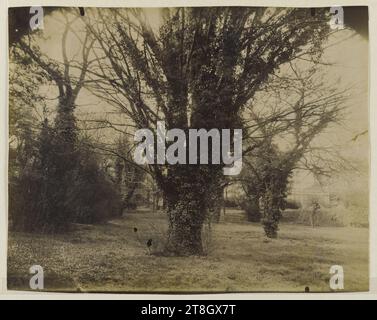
[113, 257]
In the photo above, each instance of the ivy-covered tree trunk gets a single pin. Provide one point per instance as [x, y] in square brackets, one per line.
[188, 193]
[64, 165]
[185, 226]
[270, 213]
[217, 202]
[253, 209]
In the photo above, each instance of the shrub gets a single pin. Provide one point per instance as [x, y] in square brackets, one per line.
[292, 204]
[230, 203]
[252, 210]
[48, 193]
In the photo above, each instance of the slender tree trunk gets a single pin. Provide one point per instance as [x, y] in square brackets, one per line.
[270, 213]
[253, 210]
[64, 166]
[217, 205]
[225, 198]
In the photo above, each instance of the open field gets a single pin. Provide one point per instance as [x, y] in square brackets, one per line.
[113, 257]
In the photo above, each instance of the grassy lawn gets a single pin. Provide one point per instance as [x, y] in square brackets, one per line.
[112, 257]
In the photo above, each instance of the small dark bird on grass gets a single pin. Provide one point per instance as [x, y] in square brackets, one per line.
[135, 229]
[307, 289]
[149, 243]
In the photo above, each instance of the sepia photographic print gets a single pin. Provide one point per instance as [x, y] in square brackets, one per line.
[188, 149]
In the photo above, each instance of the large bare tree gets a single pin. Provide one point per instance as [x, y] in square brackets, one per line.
[58, 150]
[283, 124]
[195, 68]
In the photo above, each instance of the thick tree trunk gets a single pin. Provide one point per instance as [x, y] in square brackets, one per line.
[185, 229]
[188, 191]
